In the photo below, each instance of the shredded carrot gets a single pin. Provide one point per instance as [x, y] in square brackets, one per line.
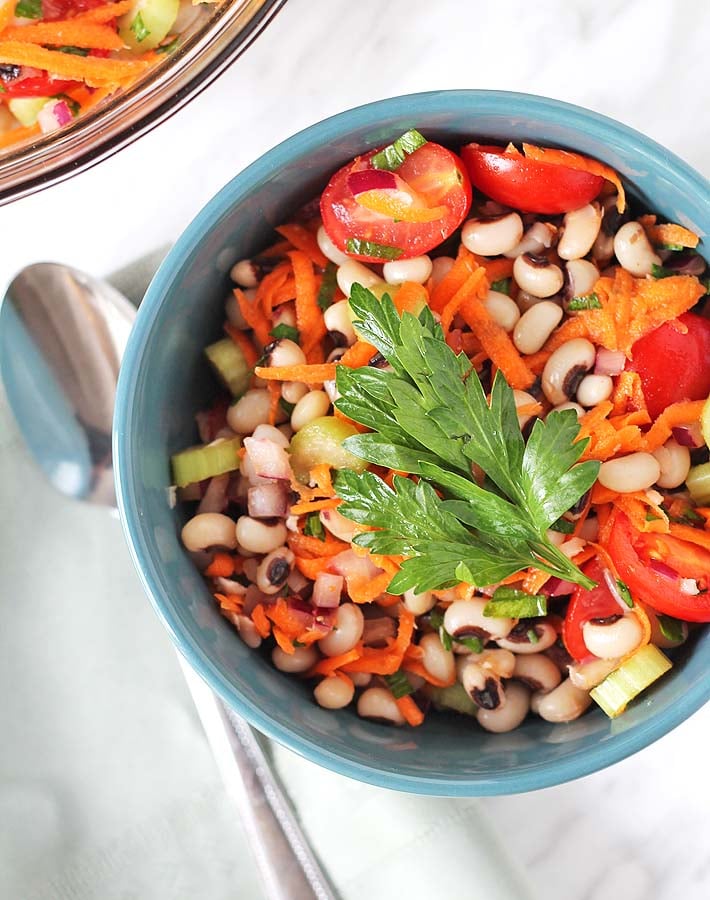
[302, 509]
[311, 568]
[697, 536]
[7, 13]
[309, 317]
[270, 285]
[320, 476]
[410, 297]
[261, 623]
[628, 394]
[684, 413]
[474, 286]
[274, 399]
[15, 135]
[105, 13]
[579, 162]
[222, 566]
[645, 515]
[94, 70]
[496, 269]
[668, 233]
[303, 240]
[417, 668]
[307, 374]
[70, 32]
[409, 709]
[454, 279]
[534, 580]
[254, 317]
[303, 544]
[329, 665]
[244, 344]
[283, 640]
[230, 602]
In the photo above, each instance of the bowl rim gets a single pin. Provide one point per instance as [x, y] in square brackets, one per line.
[578, 763]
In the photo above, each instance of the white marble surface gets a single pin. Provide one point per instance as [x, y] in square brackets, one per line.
[640, 831]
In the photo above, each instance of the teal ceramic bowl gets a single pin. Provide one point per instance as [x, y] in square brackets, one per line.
[163, 382]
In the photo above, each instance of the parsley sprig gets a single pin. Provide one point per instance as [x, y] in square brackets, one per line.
[430, 417]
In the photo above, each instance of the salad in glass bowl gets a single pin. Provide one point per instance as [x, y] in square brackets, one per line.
[449, 469]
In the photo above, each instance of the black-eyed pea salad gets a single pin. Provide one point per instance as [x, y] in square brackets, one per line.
[461, 461]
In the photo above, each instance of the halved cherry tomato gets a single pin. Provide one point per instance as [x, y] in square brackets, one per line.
[428, 199]
[632, 552]
[526, 184]
[53, 10]
[599, 603]
[673, 366]
[40, 85]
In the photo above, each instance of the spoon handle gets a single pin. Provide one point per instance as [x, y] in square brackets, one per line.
[286, 862]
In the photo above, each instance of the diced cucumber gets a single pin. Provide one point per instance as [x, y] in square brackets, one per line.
[635, 675]
[321, 442]
[198, 463]
[148, 23]
[231, 366]
[26, 109]
[698, 483]
[453, 697]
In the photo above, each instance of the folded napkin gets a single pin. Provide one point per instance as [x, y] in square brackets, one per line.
[108, 790]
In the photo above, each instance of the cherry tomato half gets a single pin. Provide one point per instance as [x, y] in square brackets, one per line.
[53, 10]
[632, 552]
[35, 86]
[599, 603]
[673, 366]
[411, 210]
[526, 184]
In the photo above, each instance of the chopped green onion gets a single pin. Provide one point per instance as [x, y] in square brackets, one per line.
[586, 301]
[198, 463]
[29, 9]
[3, 90]
[510, 603]
[314, 526]
[169, 47]
[74, 51]
[454, 698]
[393, 155]
[230, 364]
[661, 272]
[698, 484]
[633, 676]
[677, 248]
[474, 644]
[284, 331]
[671, 629]
[287, 407]
[138, 27]
[532, 636]
[399, 685]
[436, 620]
[502, 286]
[328, 286]
[689, 517]
[370, 248]
[564, 526]
[625, 593]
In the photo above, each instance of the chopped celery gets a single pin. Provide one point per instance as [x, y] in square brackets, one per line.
[633, 676]
[198, 463]
[698, 483]
[230, 364]
[321, 441]
[148, 23]
[26, 109]
[453, 697]
[705, 422]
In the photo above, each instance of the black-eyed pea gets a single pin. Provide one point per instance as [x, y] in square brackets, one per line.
[353, 272]
[209, 530]
[519, 641]
[536, 325]
[492, 235]
[537, 275]
[563, 704]
[613, 639]
[260, 535]
[631, 473]
[502, 309]
[565, 368]
[311, 406]
[594, 389]
[674, 460]
[274, 569]
[334, 692]
[511, 714]
[328, 248]
[250, 410]
[482, 685]
[464, 618]
[538, 672]
[634, 251]
[416, 269]
[522, 400]
[580, 229]
[349, 625]
[438, 661]
[301, 660]
[378, 703]
[588, 675]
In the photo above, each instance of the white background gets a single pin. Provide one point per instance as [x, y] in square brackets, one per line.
[640, 830]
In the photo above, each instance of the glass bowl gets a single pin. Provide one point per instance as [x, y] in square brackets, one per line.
[209, 45]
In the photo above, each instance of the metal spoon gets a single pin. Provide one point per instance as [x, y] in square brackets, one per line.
[62, 336]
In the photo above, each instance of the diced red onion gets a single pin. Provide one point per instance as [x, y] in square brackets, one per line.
[557, 587]
[53, 116]
[190, 492]
[609, 362]
[350, 565]
[377, 631]
[371, 180]
[269, 460]
[662, 569]
[614, 590]
[686, 264]
[268, 501]
[253, 596]
[229, 586]
[327, 589]
[296, 581]
[214, 499]
[689, 435]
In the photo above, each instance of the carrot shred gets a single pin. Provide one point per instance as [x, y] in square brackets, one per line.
[309, 317]
[261, 623]
[303, 240]
[416, 667]
[331, 664]
[320, 476]
[684, 413]
[95, 71]
[628, 394]
[697, 536]
[308, 374]
[7, 13]
[410, 297]
[275, 392]
[222, 566]
[70, 32]
[283, 640]
[302, 509]
[358, 355]
[16, 135]
[496, 269]
[245, 345]
[579, 162]
[464, 266]
[302, 544]
[270, 285]
[254, 317]
[409, 709]
[230, 602]
[311, 568]
[534, 580]
[474, 285]
[669, 233]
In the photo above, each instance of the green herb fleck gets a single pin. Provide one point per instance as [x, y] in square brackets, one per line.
[564, 526]
[436, 620]
[287, 407]
[399, 685]
[510, 603]
[285, 332]
[676, 248]
[169, 47]
[74, 51]
[502, 286]
[139, 28]
[661, 272]
[586, 301]
[393, 155]
[314, 527]
[651, 518]
[29, 9]
[429, 416]
[370, 248]
[671, 629]
[625, 592]
[474, 644]
[532, 636]
[328, 286]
